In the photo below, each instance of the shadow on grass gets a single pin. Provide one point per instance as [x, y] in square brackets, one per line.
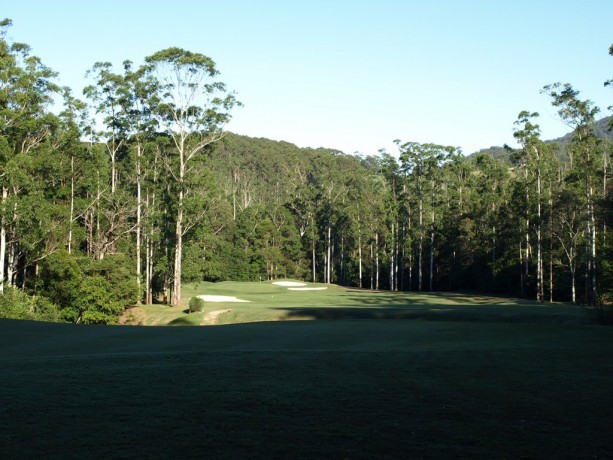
[442, 307]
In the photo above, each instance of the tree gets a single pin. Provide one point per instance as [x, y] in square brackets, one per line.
[193, 108]
[580, 116]
[421, 163]
[26, 92]
[527, 133]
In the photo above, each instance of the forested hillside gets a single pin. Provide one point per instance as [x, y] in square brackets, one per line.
[601, 129]
[121, 197]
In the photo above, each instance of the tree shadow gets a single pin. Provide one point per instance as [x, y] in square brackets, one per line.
[451, 307]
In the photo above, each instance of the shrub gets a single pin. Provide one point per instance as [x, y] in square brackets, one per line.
[15, 304]
[89, 291]
[196, 304]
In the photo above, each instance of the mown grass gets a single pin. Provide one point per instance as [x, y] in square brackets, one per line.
[452, 377]
[270, 302]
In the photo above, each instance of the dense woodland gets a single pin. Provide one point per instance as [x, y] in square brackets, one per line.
[133, 188]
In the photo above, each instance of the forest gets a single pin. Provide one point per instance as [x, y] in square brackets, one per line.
[133, 188]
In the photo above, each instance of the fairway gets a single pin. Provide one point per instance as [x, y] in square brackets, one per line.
[280, 301]
[446, 381]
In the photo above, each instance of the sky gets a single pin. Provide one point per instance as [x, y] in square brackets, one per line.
[353, 75]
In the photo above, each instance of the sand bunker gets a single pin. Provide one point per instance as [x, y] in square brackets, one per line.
[289, 283]
[307, 289]
[220, 298]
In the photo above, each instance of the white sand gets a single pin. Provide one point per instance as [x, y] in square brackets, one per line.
[307, 289]
[289, 283]
[220, 298]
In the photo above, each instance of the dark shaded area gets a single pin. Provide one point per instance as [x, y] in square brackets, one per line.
[306, 389]
[410, 307]
[312, 404]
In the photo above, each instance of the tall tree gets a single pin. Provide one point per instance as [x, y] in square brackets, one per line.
[26, 92]
[193, 108]
[580, 116]
[527, 133]
[421, 163]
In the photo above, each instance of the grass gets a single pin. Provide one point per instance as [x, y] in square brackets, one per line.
[455, 376]
[269, 302]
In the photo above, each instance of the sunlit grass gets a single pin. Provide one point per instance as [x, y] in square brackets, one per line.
[271, 302]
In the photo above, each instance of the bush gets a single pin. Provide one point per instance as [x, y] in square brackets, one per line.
[15, 304]
[196, 304]
[89, 291]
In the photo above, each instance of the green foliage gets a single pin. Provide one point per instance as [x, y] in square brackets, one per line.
[16, 304]
[196, 304]
[88, 291]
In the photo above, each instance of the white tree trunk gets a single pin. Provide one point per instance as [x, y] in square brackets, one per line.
[71, 205]
[328, 253]
[176, 287]
[377, 261]
[432, 252]
[360, 260]
[420, 247]
[392, 251]
[3, 241]
[138, 222]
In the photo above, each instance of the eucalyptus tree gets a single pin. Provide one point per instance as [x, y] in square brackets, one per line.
[330, 184]
[481, 235]
[136, 97]
[527, 133]
[580, 116]
[192, 109]
[105, 95]
[421, 163]
[73, 123]
[111, 105]
[391, 195]
[457, 198]
[26, 92]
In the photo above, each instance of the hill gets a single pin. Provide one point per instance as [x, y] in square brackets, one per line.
[602, 130]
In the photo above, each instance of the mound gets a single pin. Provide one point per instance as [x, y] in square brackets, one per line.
[220, 298]
[289, 283]
[307, 288]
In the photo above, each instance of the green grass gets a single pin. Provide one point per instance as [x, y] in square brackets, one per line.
[453, 376]
[269, 302]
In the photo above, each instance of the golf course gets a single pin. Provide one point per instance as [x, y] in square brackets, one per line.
[297, 370]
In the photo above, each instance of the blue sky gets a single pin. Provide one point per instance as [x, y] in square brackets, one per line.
[351, 74]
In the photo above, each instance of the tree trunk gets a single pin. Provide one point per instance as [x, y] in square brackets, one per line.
[594, 292]
[138, 222]
[360, 260]
[313, 258]
[71, 205]
[550, 246]
[377, 261]
[420, 248]
[3, 240]
[372, 267]
[392, 255]
[540, 293]
[10, 265]
[328, 252]
[176, 288]
[521, 269]
[432, 252]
